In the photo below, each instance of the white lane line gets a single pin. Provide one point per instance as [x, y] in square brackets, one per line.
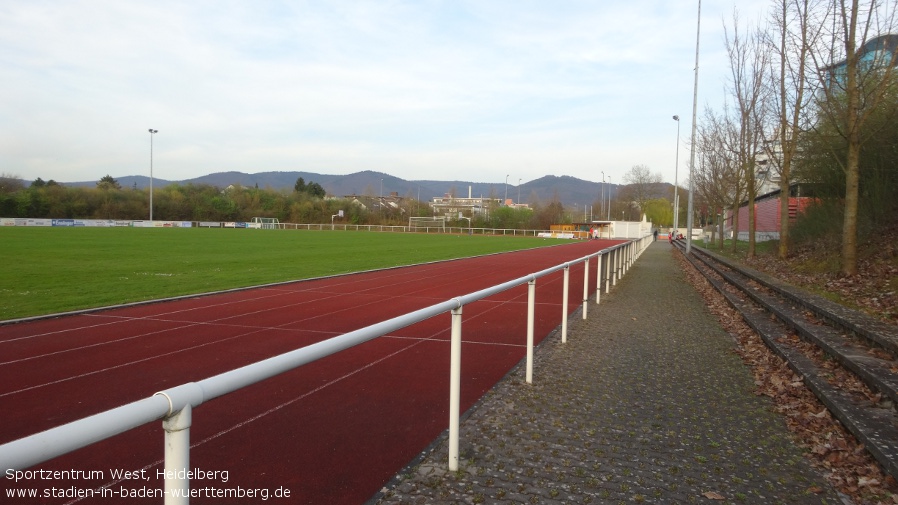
[205, 344]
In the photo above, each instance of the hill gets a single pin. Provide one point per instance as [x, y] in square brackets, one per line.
[570, 191]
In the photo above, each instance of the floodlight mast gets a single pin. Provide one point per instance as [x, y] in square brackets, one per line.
[676, 223]
[152, 132]
[505, 202]
[609, 198]
[692, 147]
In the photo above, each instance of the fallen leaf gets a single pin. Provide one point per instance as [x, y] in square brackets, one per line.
[863, 481]
[849, 468]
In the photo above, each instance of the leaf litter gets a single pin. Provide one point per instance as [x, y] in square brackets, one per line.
[848, 467]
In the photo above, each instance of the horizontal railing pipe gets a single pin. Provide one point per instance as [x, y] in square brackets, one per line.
[37, 448]
[63, 439]
[233, 380]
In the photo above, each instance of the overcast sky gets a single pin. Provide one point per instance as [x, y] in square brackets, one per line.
[448, 90]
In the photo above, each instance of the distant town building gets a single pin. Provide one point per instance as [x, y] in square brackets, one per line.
[767, 176]
[450, 206]
[510, 203]
[392, 202]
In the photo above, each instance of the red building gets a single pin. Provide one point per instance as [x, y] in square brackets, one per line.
[768, 215]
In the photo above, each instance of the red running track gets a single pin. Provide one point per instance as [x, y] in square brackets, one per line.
[333, 431]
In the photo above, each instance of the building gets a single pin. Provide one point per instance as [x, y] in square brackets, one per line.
[452, 206]
[878, 52]
[768, 215]
[767, 177]
[392, 202]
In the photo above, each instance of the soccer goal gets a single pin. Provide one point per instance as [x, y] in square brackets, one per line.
[267, 223]
[427, 224]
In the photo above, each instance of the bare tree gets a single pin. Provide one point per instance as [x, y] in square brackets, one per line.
[748, 66]
[10, 183]
[853, 88]
[717, 175]
[642, 184]
[790, 40]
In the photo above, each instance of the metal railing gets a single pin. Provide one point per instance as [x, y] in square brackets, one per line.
[627, 230]
[174, 406]
[459, 230]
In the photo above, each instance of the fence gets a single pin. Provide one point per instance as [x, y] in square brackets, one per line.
[175, 406]
[461, 230]
[627, 231]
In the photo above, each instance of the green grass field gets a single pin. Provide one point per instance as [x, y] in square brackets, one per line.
[50, 270]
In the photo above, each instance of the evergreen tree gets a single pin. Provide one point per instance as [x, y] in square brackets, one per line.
[107, 182]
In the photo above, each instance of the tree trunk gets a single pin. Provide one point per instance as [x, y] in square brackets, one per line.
[849, 223]
[735, 228]
[853, 123]
[751, 213]
[721, 220]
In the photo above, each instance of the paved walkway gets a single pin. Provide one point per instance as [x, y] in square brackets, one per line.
[645, 403]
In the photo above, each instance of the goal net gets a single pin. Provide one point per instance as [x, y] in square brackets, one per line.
[427, 224]
[266, 223]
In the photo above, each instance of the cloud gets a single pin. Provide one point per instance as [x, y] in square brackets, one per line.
[423, 89]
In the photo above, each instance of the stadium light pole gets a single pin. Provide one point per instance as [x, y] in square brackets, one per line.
[505, 202]
[698, 32]
[609, 199]
[152, 132]
[676, 184]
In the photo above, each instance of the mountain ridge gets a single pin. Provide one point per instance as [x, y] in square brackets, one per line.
[567, 189]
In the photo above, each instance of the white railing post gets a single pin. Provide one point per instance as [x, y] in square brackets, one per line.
[599, 278]
[626, 261]
[608, 272]
[531, 316]
[177, 456]
[622, 260]
[585, 285]
[564, 301]
[622, 265]
[454, 387]
[618, 260]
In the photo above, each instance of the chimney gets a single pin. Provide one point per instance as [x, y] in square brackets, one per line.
[469, 192]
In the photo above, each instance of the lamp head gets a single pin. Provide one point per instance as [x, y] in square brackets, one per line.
[676, 118]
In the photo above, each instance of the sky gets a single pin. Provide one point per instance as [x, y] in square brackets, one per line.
[482, 91]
